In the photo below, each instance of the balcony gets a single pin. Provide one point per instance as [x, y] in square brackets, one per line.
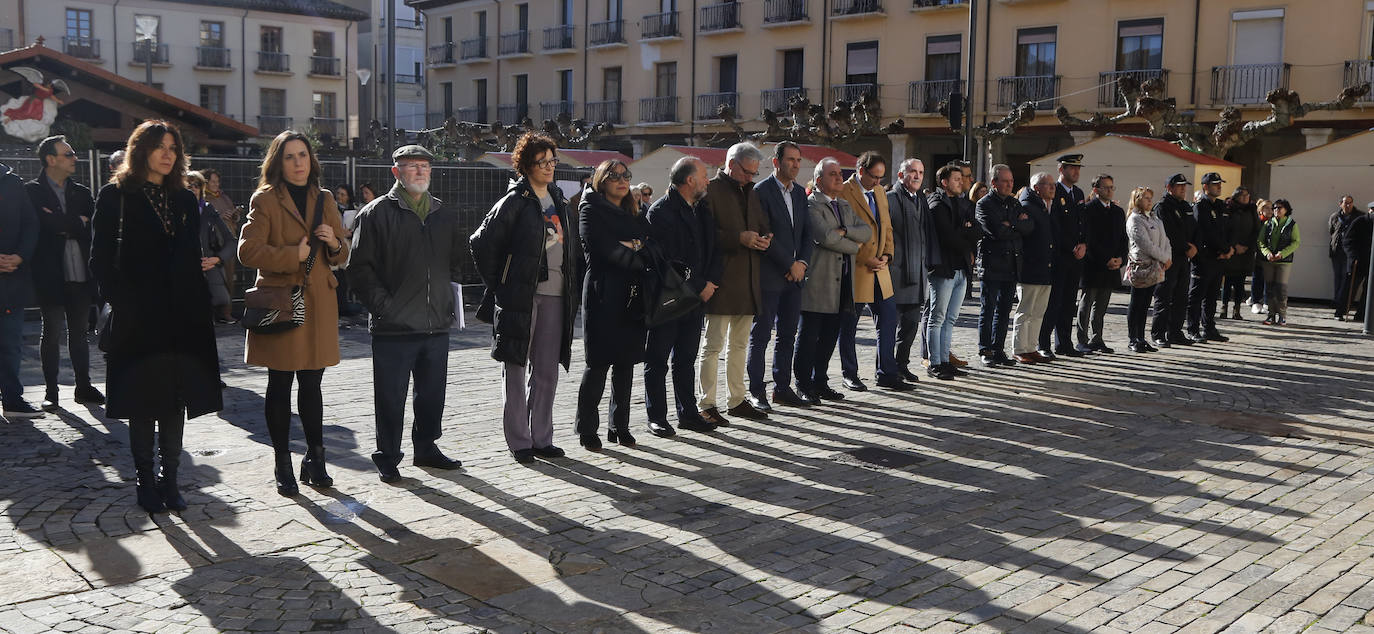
[709, 104]
[852, 93]
[325, 67]
[1107, 94]
[658, 26]
[474, 49]
[784, 13]
[514, 44]
[273, 62]
[549, 110]
[404, 78]
[856, 8]
[328, 126]
[1359, 71]
[604, 111]
[81, 47]
[608, 33]
[511, 113]
[1042, 89]
[142, 52]
[441, 54]
[935, 4]
[559, 38]
[1247, 83]
[777, 99]
[212, 57]
[925, 96]
[717, 18]
[658, 110]
[473, 114]
[6, 39]
[272, 125]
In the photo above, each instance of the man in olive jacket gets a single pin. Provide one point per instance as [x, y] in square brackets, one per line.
[407, 249]
[742, 235]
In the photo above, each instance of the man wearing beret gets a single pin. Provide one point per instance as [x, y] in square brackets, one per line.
[406, 250]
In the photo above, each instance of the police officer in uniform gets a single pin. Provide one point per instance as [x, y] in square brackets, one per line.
[1171, 295]
[1215, 247]
[1070, 245]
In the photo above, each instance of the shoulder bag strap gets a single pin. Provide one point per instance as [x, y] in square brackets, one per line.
[119, 234]
[314, 223]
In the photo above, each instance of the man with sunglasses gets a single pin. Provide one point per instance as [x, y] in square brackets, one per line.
[62, 280]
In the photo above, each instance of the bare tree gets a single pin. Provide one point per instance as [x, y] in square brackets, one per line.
[805, 122]
[453, 137]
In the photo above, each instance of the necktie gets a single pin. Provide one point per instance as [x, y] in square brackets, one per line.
[873, 208]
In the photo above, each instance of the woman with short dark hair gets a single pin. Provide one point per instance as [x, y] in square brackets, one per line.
[161, 364]
[528, 255]
[292, 223]
[1279, 240]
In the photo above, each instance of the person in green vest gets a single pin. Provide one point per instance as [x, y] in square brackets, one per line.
[1279, 240]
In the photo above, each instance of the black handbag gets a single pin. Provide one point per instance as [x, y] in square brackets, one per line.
[273, 309]
[667, 296]
[105, 319]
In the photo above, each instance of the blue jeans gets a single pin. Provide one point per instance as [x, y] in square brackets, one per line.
[783, 308]
[994, 315]
[946, 295]
[11, 351]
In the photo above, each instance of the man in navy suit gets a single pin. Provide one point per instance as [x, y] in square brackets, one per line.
[780, 282]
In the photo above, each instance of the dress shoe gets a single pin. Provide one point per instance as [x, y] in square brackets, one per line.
[436, 460]
[49, 403]
[1213, 335]
[712, 417]
[759, 403]
[854, 385]
[1179, 339]
[1149, 348]
[1197, 337]
[1098, 346]
[941, 371]
[21, 408]
[149, 499]
[956, 361]
[808, 398]
[1028, 358]
[88, 395]
[696, 424]
[386, 469]
[1003, 360]
[988, 359]
[621, 436]
[827, 393]
[1162, 343]
[896, 385]
[1045, 356]
[1085, 348]
[549, 452]
[590, 442]
[745, 410]
[1138, 346]
[785, 396]
[523, 456]
[1068, 352]
[909, 376]
[955, 369]
[661, 428]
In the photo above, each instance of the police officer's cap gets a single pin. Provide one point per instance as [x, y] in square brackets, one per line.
[1211, 177]
[1179, 179]
[1075, 160]
[412, 151]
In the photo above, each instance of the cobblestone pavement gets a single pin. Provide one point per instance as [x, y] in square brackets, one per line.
[1218, 487]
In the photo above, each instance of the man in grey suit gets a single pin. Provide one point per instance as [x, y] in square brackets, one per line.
[829, 289]
[910, 212]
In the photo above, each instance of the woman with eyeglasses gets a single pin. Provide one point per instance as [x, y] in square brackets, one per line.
[613, 235]
[1278, 241]
[529, 257]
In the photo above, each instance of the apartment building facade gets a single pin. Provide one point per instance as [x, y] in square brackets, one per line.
[272, 65]
[373, 49]
[660, 69]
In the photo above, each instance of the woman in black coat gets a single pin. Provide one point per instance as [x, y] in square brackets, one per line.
[613, 235]
[1244, 226]
[161, 365]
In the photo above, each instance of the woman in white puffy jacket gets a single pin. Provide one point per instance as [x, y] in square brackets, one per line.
[1149, 245]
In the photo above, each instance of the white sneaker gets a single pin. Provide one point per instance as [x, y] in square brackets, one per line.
[1255, 309]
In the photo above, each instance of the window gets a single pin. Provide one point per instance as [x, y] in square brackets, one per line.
[727, 71]
[448, 30]
[522, 16]
[793, 71]
[610, 84]
[565, 85]
[1035, 51]
[861, 63]
[942, 57]
[1140, 44]
[151, 20]
[79, 23]
[212, 98]
[270, 40]
[446, 89]
[272, 102]
[324, 44]
[667, 6]
[481, 24]
[324, 105]
[479, 95]
[522, 97]
[212, 34]
[665, 79]
[565, 13]
[614, 9]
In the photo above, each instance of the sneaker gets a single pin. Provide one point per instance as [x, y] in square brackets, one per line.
[22, 409]
[1256, 309]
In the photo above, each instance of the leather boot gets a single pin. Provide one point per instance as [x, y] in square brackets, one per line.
[141, 443]
[286, 480]
[169, 448]
[312, 468]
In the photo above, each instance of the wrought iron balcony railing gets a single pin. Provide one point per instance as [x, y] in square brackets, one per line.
[658, 25]
[474, 48]
[1109, 96]
[709, 104]
[658, 109]
[608, 32]
[274, 62]
[1247, 83]
[925, 96]
[776, 99]
[719, 17]
[557, 38]
[441, 54]
[212, 57]
[784, 11]
[1042, 89]
[604, 111]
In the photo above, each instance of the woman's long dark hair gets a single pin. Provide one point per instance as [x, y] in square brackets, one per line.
[133, 170]
[599, 182]
[271, 164]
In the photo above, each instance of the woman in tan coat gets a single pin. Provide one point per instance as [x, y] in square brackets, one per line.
[284, 239]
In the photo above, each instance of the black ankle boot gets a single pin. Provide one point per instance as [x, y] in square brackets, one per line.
[312, 468]
[286, 481]
[148, 497]
[141, 444]
[167, 486]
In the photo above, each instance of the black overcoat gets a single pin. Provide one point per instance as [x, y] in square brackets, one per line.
[613, 312]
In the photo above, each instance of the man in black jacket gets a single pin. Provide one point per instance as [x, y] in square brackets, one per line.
[62, 281]
[1215, 247]
[1171, 295]
[17, 243]
[407, 249]
[1105, 227]
[1003, 224]
[1070, 247]
[1355, 243]
[949, 261]
[1336, 226]
[686, 233]
[910, 213]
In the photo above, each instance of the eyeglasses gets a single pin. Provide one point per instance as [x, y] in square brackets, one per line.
[547, 163]
[418, 167]
[619, 176]
[67, 154]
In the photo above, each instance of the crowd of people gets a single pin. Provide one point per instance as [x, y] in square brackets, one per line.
[758, 262]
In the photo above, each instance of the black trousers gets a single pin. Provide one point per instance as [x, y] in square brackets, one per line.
[594, 387]
[910, 330]
[1063, 305]
[73, 314]
[1137, 311]
[680, 339]
[1233, 289]
[153, 436]
[1171, 302]
[815, 346]
[394, 360]
[1350, 296]
[1204, 290]
[1340, 270]
[309, 403]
